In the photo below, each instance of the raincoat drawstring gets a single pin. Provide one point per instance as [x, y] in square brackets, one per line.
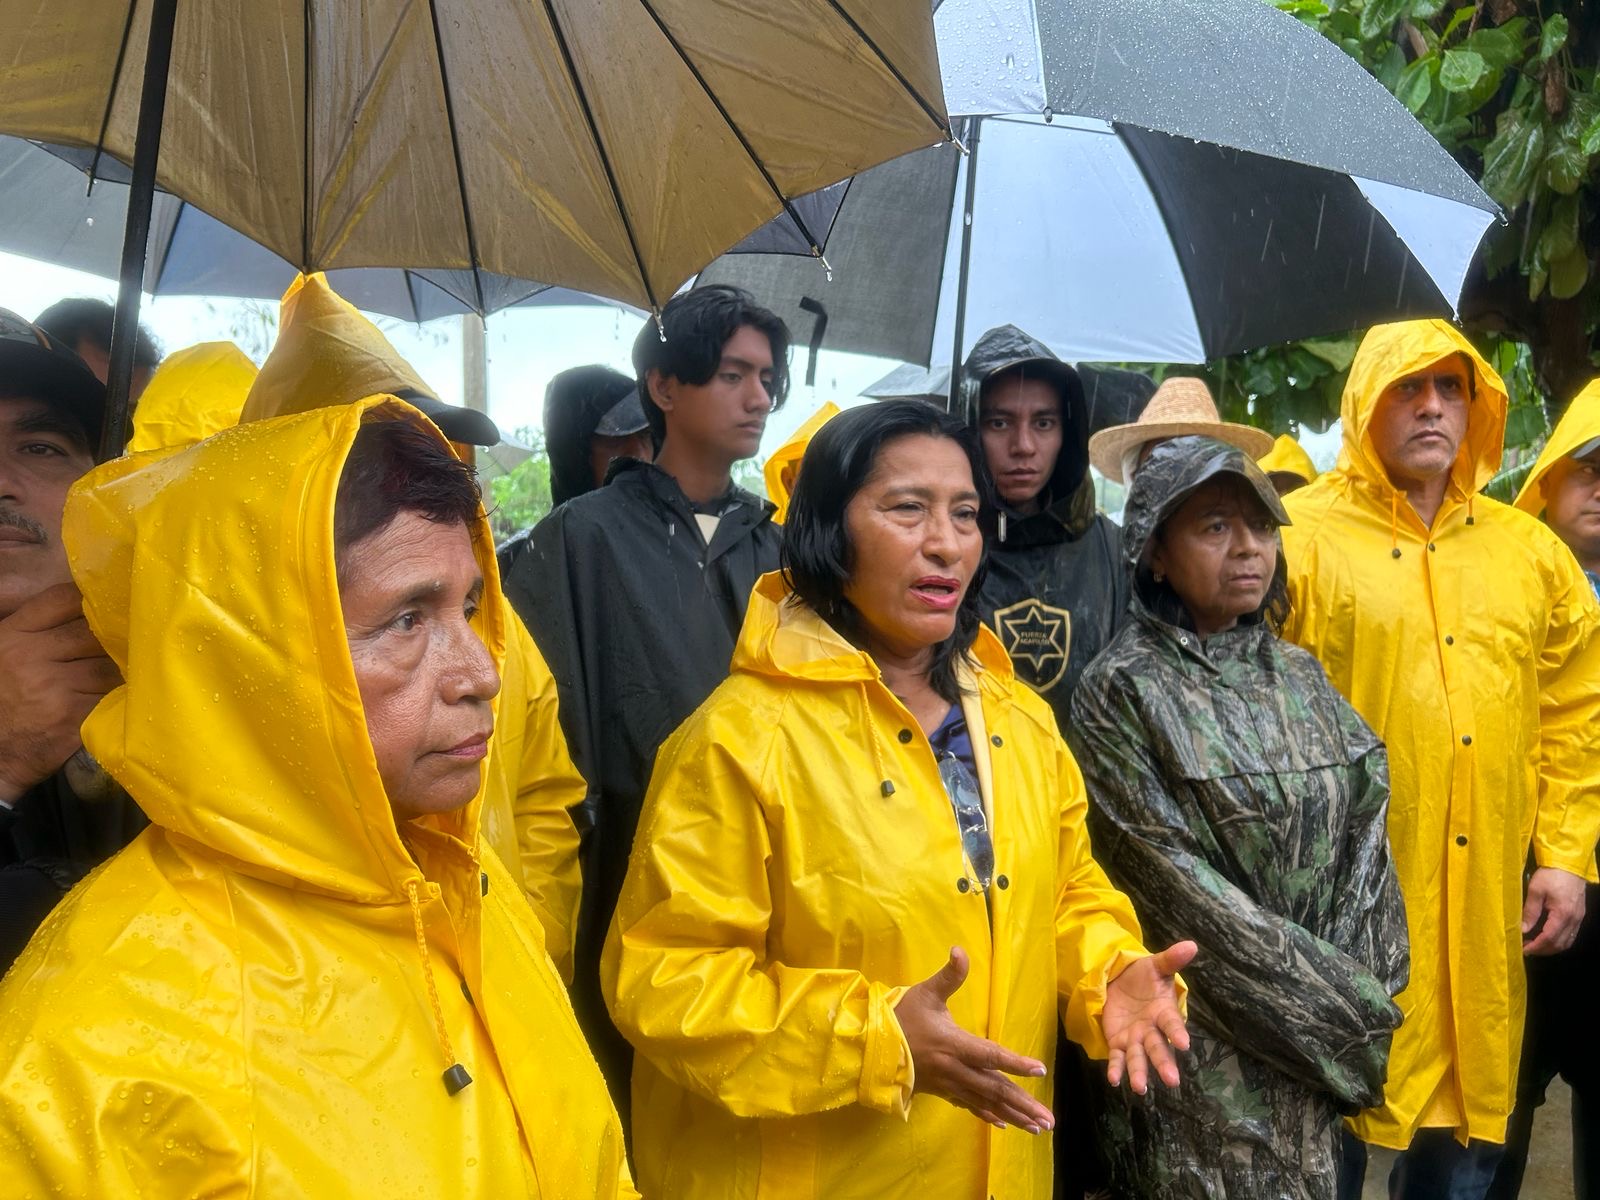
[885, 784]
[1394, 523]
[455, 1076]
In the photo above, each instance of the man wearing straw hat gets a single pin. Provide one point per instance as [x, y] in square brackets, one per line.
[1181, 406]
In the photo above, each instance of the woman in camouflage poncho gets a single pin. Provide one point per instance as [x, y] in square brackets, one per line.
[1240, 801]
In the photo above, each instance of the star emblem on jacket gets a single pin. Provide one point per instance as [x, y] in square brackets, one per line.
[1036, 636]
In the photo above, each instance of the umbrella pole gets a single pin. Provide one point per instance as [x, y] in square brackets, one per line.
[964, 270]
[136, 229]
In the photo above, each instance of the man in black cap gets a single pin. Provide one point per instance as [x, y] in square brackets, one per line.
[59, 814]
[592, 415]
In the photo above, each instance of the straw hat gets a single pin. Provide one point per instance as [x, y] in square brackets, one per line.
[1181, 405]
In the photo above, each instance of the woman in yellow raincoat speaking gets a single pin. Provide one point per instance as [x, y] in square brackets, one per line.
[862, 888]
[307, 977]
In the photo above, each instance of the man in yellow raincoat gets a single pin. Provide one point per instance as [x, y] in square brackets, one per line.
[1464, 633]
[327, 353]
[1564, 488]
[307, 977]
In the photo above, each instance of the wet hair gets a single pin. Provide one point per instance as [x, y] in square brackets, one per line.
[1165, 603]
[80, 319]
[396, 466]
[697, 325]
[818, 560]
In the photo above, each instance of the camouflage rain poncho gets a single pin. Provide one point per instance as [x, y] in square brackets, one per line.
[1238, 800]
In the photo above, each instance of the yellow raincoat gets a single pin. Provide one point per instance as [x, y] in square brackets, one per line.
[783, 466]
[194, 393]
[327, 353]
[778, 904]
[1472, 649]
[259, 996]
[1289, 457]
[1579, 424]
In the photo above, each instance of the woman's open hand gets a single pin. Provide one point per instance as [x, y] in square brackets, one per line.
[957, 1066]
[1142, 1021]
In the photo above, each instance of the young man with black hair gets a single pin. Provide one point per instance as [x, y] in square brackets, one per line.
[635, 592]
[84, 326]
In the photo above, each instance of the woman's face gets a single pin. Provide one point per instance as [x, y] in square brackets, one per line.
[409, 592]
[915, 544]
[1218, 552]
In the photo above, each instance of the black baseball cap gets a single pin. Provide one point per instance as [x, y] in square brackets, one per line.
[34, 363]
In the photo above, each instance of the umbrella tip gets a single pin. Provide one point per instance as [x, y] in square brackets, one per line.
[960, 145]
[661, 330]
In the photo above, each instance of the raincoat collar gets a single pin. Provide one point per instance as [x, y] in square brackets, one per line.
[784, 638]
[668, 497]
[1578, 425]
[208, 575]
[1389, 352]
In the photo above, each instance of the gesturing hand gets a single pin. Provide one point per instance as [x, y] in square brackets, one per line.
[957, 1066]
[1558, 895]
[52, 672]
[1141, 1017]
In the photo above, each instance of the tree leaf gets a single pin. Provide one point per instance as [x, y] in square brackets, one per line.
[1512, 157]
[1560, 235]
[1591, 137]
[1553, 36]
[1416, 83]
[1461, 70]
[1499, 47]
[1338, 353]
[1457, 19]
[1379, 16]
[1568, 274]
[1565, 165]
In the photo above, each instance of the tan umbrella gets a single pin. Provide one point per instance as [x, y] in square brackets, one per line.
[611, 146]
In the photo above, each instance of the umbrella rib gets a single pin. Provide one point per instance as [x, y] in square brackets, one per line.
[111, 93]
[933, 114]
[455, 153]
[772, 184]
[305, 139]
[600, 149]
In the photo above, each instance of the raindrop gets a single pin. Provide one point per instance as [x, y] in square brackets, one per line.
[1011, 62]
[1049, 114]
[89, 221]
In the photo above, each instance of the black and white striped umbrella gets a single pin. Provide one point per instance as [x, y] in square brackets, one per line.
[1147, 180]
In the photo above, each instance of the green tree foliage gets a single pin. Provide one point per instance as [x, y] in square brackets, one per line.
[521, 497]
[1509, 88]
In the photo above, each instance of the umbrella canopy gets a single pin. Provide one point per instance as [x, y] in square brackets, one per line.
[612, 146]
[1126, 199]
[53, 215]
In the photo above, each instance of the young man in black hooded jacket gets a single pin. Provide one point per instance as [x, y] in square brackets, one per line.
[635, 592]
[1054, 592]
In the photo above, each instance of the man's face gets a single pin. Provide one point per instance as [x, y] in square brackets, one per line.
[1421, 420]
[42, 453]
[1021, 430]
[726, 415]
[1572, 504]
[98, 359]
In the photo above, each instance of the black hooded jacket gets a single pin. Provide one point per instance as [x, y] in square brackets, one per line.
[637, 617]
[574, 405]
[1055, 591]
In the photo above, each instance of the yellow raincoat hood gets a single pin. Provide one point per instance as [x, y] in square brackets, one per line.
[194, 393]
[1289, 457]
[788, 456]
[1470, 645]
[327, 353]
[797, 867]
[1578, 425]
[259, 996]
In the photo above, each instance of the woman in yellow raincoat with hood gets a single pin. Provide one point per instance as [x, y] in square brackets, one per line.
[871, 787]
[307, 977]
[1470, 641]
[327, 354]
